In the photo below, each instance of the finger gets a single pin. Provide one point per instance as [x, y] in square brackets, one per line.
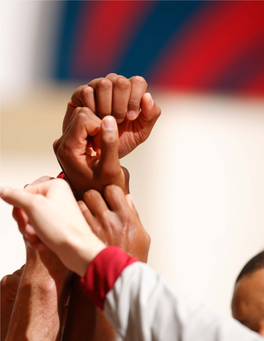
[103, 96]
[115, 198]
[86, 212]
[30, 233]
[19, 271]
[121, 95]
[40, 180]
[16, 197]
[95, 202]
[74, 114]
[36, 245]
[83, 96]
[9, 283]
[150, 111]
[130, 202]
[127, 177]
[109, 164]
[21, 218]
[138, 88]
[84, 124]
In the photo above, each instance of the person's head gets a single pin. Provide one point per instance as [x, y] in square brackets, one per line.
[248, 296]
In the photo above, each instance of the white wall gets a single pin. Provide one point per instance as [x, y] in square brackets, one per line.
[28, 35]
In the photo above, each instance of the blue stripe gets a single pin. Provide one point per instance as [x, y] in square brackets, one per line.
[70, 15]
[156, 32]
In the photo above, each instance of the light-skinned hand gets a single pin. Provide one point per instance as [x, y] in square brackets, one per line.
[58, 222]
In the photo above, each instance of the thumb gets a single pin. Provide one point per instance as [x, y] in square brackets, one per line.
[109, 159]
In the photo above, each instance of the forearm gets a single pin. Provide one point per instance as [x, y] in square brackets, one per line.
[85, 319]
[38, 309]
[9, 287]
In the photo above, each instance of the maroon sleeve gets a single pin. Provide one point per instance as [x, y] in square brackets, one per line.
[102, 273]
[61, 176]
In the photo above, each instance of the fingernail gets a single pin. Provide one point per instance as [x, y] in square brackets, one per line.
[109, 123]
[151, 102]
[131, 115]
[4, 191]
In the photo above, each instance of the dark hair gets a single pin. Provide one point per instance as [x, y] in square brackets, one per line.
[254, 264]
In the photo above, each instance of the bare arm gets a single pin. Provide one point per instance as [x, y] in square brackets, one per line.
[9, 287]
[37, 312]
[38, 308]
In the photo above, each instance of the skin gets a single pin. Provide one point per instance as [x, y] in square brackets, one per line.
[115, 223]
[37, 306]
[136, 114]
[248, 301]
[64, 228]
[9, 288]
[83, 169]
[126, 100]
[111, 95]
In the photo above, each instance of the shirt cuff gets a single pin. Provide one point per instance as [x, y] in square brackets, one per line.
[61, 176]
[102, 273]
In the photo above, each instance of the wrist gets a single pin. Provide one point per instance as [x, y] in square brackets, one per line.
[43, 269]
[83, 251]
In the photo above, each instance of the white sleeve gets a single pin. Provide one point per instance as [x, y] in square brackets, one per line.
[141, 306]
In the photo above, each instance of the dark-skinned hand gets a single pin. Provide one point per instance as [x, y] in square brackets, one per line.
[115, 221]
[83, 168]
[126, 100]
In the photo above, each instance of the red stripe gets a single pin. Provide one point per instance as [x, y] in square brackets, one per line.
[256, 86]
[102, 273]
[213, 42]
[105, 29]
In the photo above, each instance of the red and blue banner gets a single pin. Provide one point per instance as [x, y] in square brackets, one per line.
[198, 46]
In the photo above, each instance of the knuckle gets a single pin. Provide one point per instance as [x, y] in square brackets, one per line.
[64, 152]
[81, 116]
[133, 102]
[122, 83]
[139, 80]
[111, 74]
[4, 281]
[77, 109]
[89, 194]
[104, 84]
[86, 91]
[111, 189]
[158, 112]
[61, 184]
[104, 219]
[75, 92]
[148, 238]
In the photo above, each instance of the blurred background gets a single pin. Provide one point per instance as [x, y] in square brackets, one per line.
[197, 182]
